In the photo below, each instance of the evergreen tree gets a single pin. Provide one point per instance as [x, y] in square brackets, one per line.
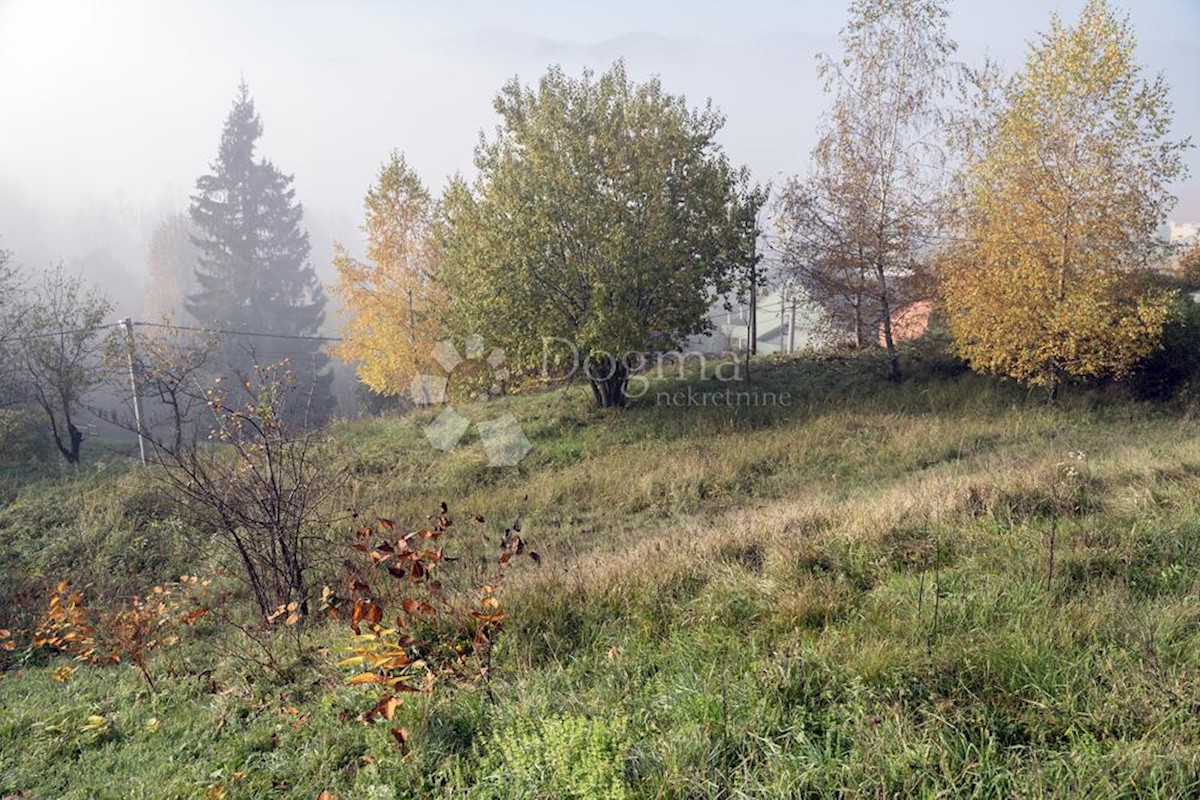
[252, 271]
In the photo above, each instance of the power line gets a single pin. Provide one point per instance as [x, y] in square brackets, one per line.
[66, 332]
[945, 237]
[239, 333]
[48, 334]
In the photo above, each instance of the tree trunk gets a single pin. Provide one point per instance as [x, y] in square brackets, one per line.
[69, 449]
[886, 311]
[858, 323]
[608, 378]
[76, 441]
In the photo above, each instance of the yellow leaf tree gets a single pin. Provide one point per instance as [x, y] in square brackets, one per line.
[1063, 192]
[391, 297]
[1188, 268]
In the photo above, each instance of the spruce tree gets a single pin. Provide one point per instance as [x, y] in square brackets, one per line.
[252, 271]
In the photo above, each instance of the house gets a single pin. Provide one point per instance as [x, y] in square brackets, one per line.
[909, 321]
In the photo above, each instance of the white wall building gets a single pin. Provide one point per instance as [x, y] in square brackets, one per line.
[777, 333]
[1183, 232]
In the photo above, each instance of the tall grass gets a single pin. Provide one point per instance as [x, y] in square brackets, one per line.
[847, 596]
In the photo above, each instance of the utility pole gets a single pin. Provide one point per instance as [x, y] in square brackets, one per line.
[792, 327]
[137, 398]
[753, 305]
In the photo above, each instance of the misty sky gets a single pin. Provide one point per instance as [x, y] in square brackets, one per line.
[112, 109]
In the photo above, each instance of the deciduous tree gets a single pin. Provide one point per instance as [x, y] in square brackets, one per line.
[12, 306]
[171, 264]
[1189, 266]
[858, 228]
[59, 352]
[391, 297]
[604, 214]
[1063, 197]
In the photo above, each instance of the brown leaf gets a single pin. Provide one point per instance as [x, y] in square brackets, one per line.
[401, 737]
[327, 795]
[364, 610]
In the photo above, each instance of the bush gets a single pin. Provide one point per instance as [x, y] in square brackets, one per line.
[23, 437]
[563, 757]
[1176, 364]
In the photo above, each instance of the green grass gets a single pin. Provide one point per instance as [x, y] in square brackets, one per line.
[848, 597]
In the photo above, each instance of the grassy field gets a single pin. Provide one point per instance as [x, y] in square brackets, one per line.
[851, 595]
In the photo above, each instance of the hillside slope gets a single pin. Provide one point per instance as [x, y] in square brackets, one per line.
[938, 587]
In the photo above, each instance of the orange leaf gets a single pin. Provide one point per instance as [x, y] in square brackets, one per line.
[385, 708]
[191, 617]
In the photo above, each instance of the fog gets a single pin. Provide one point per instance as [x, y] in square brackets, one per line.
[111, 110]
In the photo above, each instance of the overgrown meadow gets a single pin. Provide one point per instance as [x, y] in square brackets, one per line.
[943, 587]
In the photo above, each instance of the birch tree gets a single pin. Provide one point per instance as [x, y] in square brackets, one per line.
[859, 227]
[1062, 200]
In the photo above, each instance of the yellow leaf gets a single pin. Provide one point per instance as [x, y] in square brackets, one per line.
[366, 677]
